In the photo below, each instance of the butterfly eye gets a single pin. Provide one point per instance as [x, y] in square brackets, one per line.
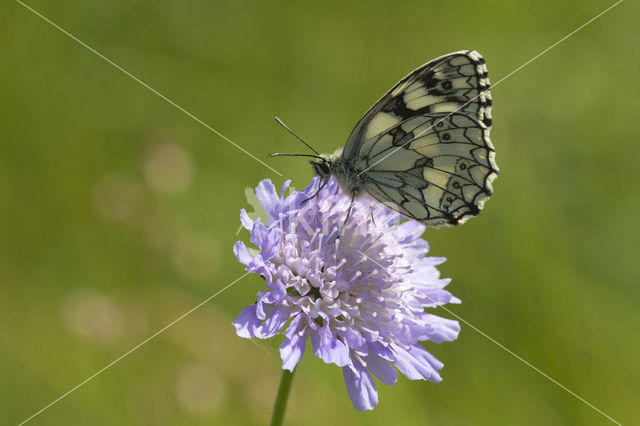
[326, 168]
[323, 168]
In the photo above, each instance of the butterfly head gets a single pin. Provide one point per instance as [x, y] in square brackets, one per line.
[322, 167]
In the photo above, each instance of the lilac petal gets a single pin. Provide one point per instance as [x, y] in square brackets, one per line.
[246, 221]
[415, 368]
[417, 248]
[409, 231]
[264, 308]
[329, 348]
[421, 353]
[291, 352]
[268, 197]
[273, 324]
[354, 340]
[267, 240]
[403, 362]
[441, 329]
[247, 322]
[242, 253]
[292, 347]
[270, 245]
[290, 205]
[435, 261]
[295, 326]
[381, 350]
[278, 291]
[285, 185]
[436, 297]
[258, 233]
[381, 368]
[258, 266]
[360, 386]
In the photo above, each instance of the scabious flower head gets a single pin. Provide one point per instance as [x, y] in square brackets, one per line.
[360, 298]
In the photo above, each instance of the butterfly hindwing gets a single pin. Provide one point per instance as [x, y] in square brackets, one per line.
[441, 177]
[424, 148]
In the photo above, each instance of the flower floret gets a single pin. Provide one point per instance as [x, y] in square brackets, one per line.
[357, 292]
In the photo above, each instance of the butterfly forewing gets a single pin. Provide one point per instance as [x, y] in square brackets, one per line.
[424, 148]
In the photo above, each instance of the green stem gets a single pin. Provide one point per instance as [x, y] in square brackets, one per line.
[281, 399]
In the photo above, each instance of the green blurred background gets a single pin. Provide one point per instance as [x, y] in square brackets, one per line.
[119, 212]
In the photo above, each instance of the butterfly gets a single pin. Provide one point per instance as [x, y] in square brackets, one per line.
[423, 149]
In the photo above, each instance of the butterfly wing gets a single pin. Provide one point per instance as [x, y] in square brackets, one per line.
[424, 148]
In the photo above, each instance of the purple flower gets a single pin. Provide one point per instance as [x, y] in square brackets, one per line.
[360, 298]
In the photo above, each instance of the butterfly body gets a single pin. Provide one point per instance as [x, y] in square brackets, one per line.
[424, 149]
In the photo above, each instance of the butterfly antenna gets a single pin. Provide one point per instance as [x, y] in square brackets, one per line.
[297, 137]
[282, 154]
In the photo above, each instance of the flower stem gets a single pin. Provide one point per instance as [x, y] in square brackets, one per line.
[281, 399]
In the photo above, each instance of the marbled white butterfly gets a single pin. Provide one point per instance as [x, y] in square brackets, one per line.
[423, 149]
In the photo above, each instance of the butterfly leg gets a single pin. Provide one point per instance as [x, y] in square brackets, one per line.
[372, 218]
[353, 199]
[322, 185]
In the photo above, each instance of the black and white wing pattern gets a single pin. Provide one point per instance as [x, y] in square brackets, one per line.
[424, 148]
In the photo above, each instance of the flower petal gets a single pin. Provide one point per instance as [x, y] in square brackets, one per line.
[409, 231]
[242, 253]
[268, 197]
[292, 347]
[381, 368]
[285, 185]
[273, 324]
[354, 339]
[258, 233]
[329, 348]
[247, 322]
[416, 365]
[246, 221]
[360, 386]
[441, 329]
